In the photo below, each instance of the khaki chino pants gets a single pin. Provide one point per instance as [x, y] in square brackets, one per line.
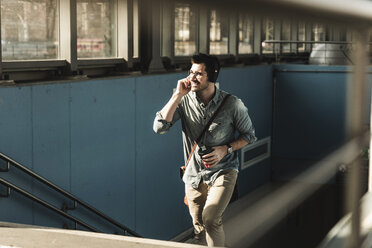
[207, 205]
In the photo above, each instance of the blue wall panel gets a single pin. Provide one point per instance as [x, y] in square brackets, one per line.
[16, 142]
[51, 132]
[15, 123]
[102, 150]
[159, 190]
[51, 146]
[309, 122]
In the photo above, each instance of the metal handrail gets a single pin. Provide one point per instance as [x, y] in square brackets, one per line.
[278, 49]
[45, 204]
[76, 200]
[309, 42]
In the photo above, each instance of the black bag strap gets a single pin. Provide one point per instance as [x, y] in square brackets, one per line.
[212, 118]
[206, 127]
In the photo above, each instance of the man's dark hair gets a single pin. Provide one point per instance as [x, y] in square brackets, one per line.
[212, 65]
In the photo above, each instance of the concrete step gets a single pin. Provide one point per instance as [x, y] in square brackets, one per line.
[232, 211]
[25, 236]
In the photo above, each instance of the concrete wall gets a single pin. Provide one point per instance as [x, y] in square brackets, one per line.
[94, 138]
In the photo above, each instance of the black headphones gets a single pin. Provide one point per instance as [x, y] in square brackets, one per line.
[212, 65]
[213, 73]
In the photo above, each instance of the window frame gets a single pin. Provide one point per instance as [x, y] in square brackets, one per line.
[202, 36]
[68, 64]
[283, 23]
[263, 32]
[132, 18]
[253, 20]
[228, 16]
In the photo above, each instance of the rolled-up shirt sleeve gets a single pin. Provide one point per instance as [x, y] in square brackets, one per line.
[162, 126]
[243, 122]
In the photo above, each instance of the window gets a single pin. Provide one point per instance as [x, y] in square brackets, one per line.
[29, 29]
[317, 33]
[96, 28]
[185, 30]
[267, 34]
[218, 33]
[245, 34]
[301, 37]
[286, 35]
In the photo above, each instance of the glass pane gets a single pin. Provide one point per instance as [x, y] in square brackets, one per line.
[96, 28]
[301, 37]
[268, 34]
[245, 34]
[218, 33]
[29, 29]
[286, 35]
[317, 34]
[185, 30]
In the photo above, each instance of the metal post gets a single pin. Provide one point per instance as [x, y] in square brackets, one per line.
[2, 76]
[1, 56]
[370, 145]
[168, 30]
[156, 64]
[125, 31]
[68, 27]
[355, 120]
[257, 35]
[234, 33]
[203, 29]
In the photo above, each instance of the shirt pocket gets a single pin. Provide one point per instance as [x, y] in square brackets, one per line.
[220, 123]
[214, 126]
[219, 130]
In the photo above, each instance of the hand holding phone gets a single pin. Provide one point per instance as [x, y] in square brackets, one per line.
[184, 86]
[204, 151]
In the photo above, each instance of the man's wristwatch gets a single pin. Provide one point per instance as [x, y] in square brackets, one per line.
[229, 149]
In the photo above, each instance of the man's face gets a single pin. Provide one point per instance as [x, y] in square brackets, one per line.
[198, 77]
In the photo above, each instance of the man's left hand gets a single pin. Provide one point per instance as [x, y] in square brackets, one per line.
[211, 159]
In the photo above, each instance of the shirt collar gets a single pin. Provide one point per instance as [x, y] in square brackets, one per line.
[214, 99]
[216, 95]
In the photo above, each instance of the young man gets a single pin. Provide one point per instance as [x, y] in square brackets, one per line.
[209, 179]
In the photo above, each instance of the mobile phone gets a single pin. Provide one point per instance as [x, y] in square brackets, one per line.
[203, 150]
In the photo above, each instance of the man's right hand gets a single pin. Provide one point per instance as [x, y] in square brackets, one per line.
[183, 86]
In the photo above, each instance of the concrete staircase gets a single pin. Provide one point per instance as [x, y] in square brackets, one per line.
[25, 236]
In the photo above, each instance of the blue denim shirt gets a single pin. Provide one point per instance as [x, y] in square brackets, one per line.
[194, 115]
